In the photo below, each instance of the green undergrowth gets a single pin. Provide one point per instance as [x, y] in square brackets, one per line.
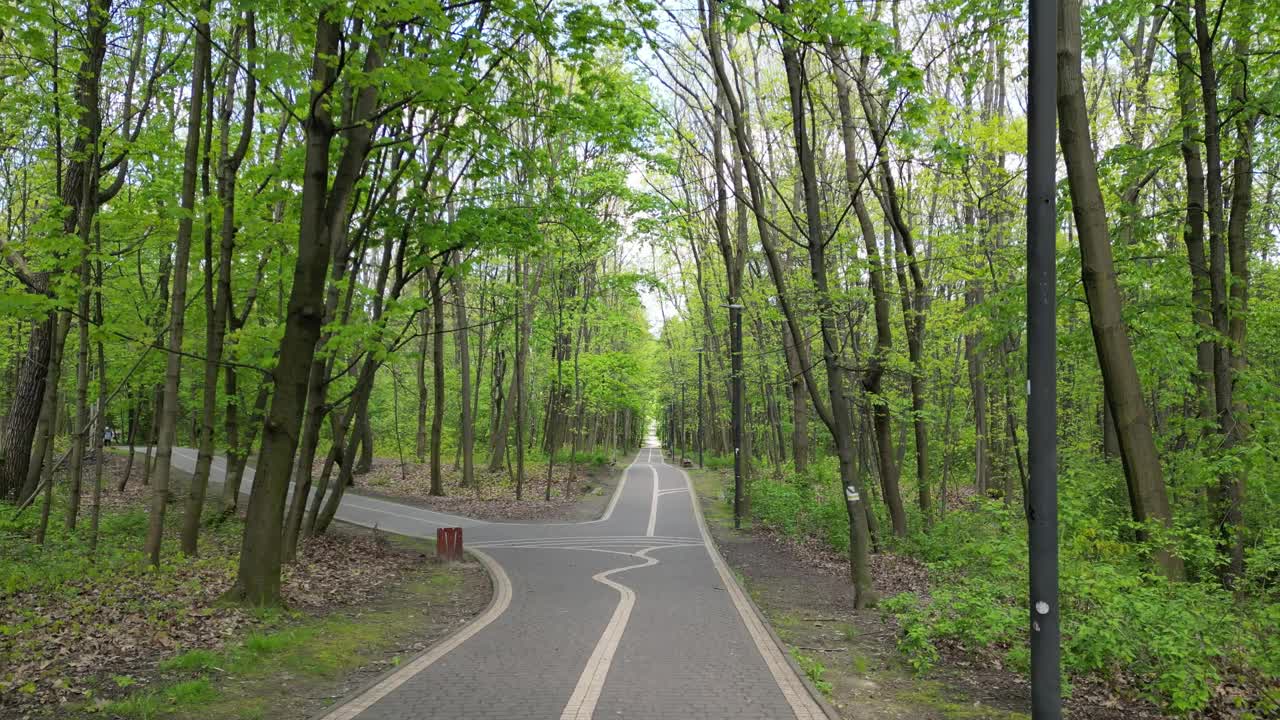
[813, 669]
[1185, 646]
[65, 557]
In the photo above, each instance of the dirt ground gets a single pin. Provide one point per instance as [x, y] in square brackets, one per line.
[82, 635]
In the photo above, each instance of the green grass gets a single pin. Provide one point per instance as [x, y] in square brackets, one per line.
[814, 670]
[708, 484]
[192, 661]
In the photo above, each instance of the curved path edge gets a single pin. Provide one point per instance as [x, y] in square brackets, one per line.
[805, 699]
[378, 688]
[384, 685]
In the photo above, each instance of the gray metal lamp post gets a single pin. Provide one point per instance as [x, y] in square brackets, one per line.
[701, 438]
[1042, 420]
[735, 351]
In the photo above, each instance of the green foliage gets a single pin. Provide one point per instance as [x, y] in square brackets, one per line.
[1176, 641]
[813, 669]
[810, 504]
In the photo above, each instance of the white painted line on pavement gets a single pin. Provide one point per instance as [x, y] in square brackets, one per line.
[582, 704]
[653, 504]
[501, 599]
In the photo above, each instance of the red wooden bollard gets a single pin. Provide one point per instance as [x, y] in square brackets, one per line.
[449, 544]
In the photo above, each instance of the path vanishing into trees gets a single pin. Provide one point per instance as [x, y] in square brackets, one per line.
[631, 615]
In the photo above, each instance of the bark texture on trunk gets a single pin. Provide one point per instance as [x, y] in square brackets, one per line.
[325, 209]
[437, 380]
[1147, 495]
[461, 337]
[178, 302]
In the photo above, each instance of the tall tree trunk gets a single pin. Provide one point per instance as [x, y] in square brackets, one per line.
[80, 430]
[214, 329]
[324, 212]
[1193, 228]
[437, 379]
[1235, 425]
[420, 439]
[178, 302]
[837, 416]
[217, 304]
[461, 337]
[973, 296]
[799, 404]
[100, 459]
[1142, 470]
[914, 299]
[18, 434]
[1228, 286]
[872, 379]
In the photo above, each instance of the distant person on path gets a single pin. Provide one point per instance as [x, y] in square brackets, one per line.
[108, 435]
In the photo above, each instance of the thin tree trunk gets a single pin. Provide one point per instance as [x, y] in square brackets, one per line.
[48, 424]
[420, 439]
[178, 303]
[214, 329]
[799, 404]
[100, 459]
[437, 380]
[461, 333]
[217, 305]
[130, 434]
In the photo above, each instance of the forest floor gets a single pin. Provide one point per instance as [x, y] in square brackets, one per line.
[108, 637]
[583, 497]
[852, 656]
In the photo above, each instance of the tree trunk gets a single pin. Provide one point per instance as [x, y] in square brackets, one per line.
[799, 404]
[461, 333]
[215, 327]
[1193, 228]
[324, 211]
[48, 423]
[973, 296]
[437, 380]
[872, 379]
[95, 512]
[365, 430]
[80, 430]
[178, 303]
[18, 435]
[420, 439]
[838, 412]
[1115, 358]
[217, 305]
[130, 437]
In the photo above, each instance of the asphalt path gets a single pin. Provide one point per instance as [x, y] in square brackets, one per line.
[633, 615]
